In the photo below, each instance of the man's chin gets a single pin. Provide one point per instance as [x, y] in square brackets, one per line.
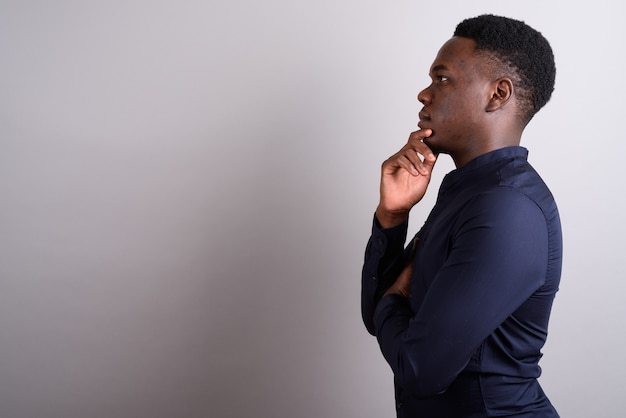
[432, 143]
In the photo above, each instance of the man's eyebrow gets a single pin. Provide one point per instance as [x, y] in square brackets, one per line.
[438, 67]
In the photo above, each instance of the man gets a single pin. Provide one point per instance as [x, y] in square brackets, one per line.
[462, 313]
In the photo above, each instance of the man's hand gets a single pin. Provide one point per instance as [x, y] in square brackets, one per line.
[402, 283]
[404, 179]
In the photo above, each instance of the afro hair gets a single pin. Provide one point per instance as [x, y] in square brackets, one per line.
[518, 49]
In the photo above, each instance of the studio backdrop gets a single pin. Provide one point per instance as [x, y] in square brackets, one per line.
[187, 187]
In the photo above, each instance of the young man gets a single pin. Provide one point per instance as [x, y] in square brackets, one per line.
[462, 313]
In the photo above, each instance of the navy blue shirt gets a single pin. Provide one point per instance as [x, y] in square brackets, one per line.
[467, 341]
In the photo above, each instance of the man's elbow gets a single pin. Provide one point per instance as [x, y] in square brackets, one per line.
[421, 381]
[368, 320]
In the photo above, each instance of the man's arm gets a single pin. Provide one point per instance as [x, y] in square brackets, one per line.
[498, 259]
[404, 179]
[384, 259]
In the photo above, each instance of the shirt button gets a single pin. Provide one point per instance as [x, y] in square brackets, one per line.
[373, 278]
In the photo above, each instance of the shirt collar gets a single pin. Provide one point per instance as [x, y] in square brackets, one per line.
[482, 163]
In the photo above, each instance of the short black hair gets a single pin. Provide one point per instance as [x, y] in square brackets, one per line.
[516, 48]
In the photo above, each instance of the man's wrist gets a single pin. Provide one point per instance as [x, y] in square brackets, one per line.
[388, 219]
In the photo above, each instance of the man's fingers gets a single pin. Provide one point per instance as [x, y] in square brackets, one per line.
[421, 134]
[408, 162]
[415, 157]
[416, 141]
[421, 161]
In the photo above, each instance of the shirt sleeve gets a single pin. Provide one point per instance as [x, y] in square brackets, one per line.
[384, 259]
[497, 259]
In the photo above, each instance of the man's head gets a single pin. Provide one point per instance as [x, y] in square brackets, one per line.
[516, 51]
[488, 81]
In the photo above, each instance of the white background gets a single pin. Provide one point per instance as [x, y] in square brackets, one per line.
[187, 187]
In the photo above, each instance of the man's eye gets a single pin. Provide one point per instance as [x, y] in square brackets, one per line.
[441, 78]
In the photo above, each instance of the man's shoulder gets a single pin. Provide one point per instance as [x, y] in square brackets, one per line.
[520, 176]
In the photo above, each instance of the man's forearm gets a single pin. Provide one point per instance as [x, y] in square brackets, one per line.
[384, 260]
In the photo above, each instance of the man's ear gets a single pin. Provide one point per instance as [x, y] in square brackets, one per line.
[500, 95]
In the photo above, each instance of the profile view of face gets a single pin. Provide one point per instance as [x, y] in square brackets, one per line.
[454, 102]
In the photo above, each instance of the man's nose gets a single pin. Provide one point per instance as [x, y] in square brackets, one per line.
[424, 96]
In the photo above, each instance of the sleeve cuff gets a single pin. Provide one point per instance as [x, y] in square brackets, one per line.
[389, 237]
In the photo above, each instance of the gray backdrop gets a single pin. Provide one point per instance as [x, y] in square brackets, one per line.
[186, 188]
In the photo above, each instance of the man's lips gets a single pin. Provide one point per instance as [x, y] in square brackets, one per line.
[424, 117]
